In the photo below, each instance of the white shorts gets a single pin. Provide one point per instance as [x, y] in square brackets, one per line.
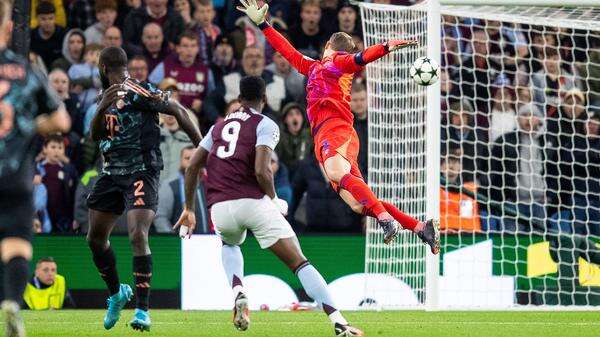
[232, 218]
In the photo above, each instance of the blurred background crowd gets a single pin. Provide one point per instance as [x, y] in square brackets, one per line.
[520, 109]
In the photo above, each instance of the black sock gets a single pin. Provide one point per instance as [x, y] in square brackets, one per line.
[16, 272]
[107, 267]
[142, 273]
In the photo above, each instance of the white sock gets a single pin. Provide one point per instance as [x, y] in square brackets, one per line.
[233, 262]
[315, 287]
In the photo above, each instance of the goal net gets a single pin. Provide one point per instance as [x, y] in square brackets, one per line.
[516, 177]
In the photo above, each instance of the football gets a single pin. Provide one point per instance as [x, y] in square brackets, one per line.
[425, 71]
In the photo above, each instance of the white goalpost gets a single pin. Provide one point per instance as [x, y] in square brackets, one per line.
[506, 151]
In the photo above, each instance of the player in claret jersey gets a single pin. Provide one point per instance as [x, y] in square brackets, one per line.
[336, 141]
[126, 125]
[237, 155]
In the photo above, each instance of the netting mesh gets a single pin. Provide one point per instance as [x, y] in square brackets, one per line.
[397, 141]
[520, 145]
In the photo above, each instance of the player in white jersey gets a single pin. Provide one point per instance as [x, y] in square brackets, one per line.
[240, 192]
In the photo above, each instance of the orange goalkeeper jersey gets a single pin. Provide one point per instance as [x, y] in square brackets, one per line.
[329, 80]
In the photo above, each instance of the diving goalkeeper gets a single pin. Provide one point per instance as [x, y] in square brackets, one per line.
[331, 121]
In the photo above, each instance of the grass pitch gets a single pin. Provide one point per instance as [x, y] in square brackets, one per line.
[176, 323]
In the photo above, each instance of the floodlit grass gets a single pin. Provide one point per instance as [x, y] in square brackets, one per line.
[388, 323]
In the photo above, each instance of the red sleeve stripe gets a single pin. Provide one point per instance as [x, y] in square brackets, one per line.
[130, 85]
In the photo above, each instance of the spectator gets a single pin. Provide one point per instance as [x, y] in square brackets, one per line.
[206, 30]
[106, 14]
[503, 117]
[61, 17]
[517, 168]
[172, 199]
[37, 63]
[172, 141]
[154, 47]
[125, 7]
[307, 37]
[347, 18]
[295, 143]
[84, 187]
[281, 177]
[579, 180]
[358, 105]
[223, 62]
[81, 14]
[325, 211]
[549, 81]
[450, 92]
[569, 121]
[40, 200]
[478, 74]
[72, 50]
[253, 64]
[295, 83]
[155, 11]
[138, 68]
[193, 78]
[458, 211]
[184, 9]
[85, 77]
[461, 133]
[112, 38]
[47, 38]
[329, 15]
[47, 289]
[59, 81]
[59, 179]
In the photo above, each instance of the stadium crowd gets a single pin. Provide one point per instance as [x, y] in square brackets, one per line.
[521, 127]
[198, 50]
[520, 109]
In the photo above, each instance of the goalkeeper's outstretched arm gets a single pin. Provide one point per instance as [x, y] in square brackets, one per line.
[351, 63]
[285, 48]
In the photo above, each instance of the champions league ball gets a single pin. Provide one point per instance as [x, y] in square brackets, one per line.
[425, 71]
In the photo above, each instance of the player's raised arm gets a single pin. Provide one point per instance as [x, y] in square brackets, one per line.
[98, 128]
[279, 43]
[182, 116]
[351, 63]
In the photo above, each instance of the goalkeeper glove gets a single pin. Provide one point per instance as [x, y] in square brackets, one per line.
[281, 205]
[393, 45]
[257, 15]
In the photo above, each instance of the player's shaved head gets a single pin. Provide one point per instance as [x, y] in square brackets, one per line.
[113, 58]
[341, 41]
[252, 89]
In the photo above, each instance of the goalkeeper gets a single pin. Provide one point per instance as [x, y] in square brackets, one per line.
[336, 141]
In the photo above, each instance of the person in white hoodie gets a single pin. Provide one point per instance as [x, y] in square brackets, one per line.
[72, 50]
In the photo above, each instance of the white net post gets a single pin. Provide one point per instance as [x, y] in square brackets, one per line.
[403, 165]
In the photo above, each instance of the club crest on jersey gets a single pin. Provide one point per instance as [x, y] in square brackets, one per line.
[325, 147]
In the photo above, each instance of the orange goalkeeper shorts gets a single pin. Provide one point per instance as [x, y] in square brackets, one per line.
[338, 137]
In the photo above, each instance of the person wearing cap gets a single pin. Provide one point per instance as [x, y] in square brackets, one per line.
[347, 18]
[295, 141]
[578, 188]
[517, 172]
[472, 141]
